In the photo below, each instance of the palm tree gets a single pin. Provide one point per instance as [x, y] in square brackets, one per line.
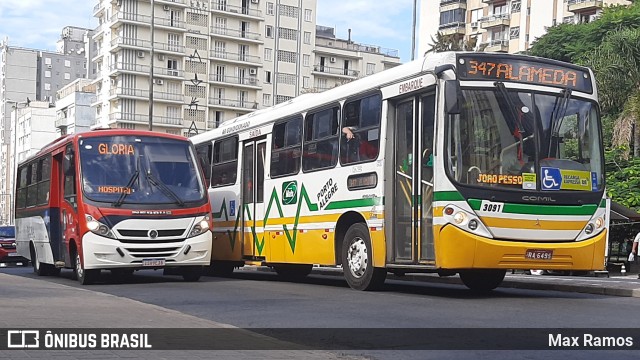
[616, 64]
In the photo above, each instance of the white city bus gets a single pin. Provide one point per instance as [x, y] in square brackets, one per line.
[457, 163]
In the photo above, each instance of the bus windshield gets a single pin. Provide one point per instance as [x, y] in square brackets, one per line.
[139, 170]
[508, 139]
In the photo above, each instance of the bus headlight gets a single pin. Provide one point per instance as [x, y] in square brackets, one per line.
[465, 220]
[99, 228]
[199, 227]
[595, 226]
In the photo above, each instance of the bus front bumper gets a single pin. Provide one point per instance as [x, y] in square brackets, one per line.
[458, 249]
[105, 253]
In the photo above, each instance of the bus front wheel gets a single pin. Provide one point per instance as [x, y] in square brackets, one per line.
[84, 276]
[192, 273]
[357, 260]
[482, 280]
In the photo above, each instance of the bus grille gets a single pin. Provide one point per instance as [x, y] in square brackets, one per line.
[153, 252]
[145, 233]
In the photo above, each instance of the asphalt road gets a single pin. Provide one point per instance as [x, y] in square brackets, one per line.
[252, 299]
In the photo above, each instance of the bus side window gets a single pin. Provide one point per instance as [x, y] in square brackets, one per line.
[360, 140]
[225, 162]
[204, 158]
[320, 149]
[285, 151]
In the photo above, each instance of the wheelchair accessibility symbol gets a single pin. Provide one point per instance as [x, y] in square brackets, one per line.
[551, 178]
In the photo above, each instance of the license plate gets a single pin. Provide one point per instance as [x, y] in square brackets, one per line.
[14, 254]
[153, 262]
[538, 254]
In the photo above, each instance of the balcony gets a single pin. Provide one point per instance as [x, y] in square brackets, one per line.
[340, 72]
[129, 93]
[446, 5]
[497, 46]
[495, 21]
[230, 10]
[61, 122]
[98, 9]
[235, 57]
[181, 3]
[144, 119]
[233, 104]
[235, 80]
[167, 97]
[584, 6]
[126, 17]
[453, 28]
[230, 33]
[129, 42]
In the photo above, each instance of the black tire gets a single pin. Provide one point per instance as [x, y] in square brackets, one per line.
[39, 268]
[482, 280]
[357, 264]
[293, 272]
[192, 273]
[221, 268]
[84, 277]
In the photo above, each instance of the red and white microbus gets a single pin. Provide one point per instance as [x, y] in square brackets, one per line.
[121, 200]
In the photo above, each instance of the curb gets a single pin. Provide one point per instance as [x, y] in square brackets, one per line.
[535, 283]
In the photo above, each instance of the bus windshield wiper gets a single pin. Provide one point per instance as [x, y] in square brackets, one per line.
[163, 188]
[124, 194]
[558, 113]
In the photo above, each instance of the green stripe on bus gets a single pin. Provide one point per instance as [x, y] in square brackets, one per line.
[345, 204]
[447, 196]
[540, 209]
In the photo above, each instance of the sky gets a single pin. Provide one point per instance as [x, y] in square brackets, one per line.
[37, 24]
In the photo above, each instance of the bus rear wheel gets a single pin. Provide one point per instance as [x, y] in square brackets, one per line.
[84, 276]
[482, 280]
[357, 260]
[40, 268]
[221, 268]
[293, 272]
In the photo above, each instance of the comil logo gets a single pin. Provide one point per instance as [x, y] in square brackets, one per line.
[23, 339]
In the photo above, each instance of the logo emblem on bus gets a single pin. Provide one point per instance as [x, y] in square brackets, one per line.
[153, 234]
[289, 193]
[537, 223]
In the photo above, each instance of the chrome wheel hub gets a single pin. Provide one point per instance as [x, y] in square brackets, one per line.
[357, 257]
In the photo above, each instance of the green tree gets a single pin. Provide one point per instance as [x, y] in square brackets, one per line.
[453, 42]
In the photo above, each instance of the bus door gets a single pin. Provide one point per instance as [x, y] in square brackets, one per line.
[68, 202]
[413, 183]
[253, 159]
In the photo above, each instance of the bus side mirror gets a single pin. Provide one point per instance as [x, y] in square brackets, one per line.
[452, 96]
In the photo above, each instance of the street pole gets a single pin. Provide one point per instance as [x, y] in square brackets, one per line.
[413, 30]
[14, 153]
[153, 6]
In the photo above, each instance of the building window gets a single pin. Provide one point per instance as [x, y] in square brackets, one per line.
[289, 79]
[67, 63]
[288, 34]
[289, 11]
[268, 31]
[515, 6]
[266, 99]
[267, 54]
[452, 17]
[287, 56]
[306, 82]
[67, 76]
[371, 68]
[267, 77]
[47, 86]
[47, 74]
[306, 59]
[307, 15]
[269, 8]
[282, 98]
[307, 37]
[47, 61]
[514, 33]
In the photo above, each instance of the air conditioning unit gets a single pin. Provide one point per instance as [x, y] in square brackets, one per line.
[161, 57]
[165, 7]
[159, 82]
[140, 53]
[332, 59]
[253, 71]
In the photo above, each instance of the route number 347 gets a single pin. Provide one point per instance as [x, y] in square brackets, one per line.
[491, 206]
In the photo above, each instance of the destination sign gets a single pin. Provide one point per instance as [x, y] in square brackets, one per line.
[115, 149]
[479, 67]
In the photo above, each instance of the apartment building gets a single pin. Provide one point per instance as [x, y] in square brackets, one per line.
[74, 113]
[504, 25]
[210, 61]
